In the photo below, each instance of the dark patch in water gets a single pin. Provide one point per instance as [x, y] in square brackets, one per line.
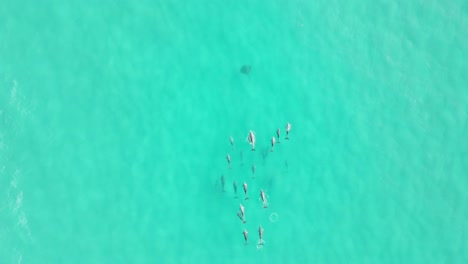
[265, 152]
[222, 182]
[235, 189]
[245, 69]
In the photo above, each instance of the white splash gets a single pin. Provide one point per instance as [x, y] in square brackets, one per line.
[15, 201]
[19, 199]
[11, 200]
[13, 92]
[17, 101]
[22, 220]
[14, 181]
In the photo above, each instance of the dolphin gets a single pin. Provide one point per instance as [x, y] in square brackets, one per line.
[260, 234]
[288, 128]
[251, 139]
[264, 199]
[241, 214]
[245, 190]
[272, 143]
[228, 157]
[246, 236]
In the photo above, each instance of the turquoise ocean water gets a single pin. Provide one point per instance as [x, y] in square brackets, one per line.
[115, 121]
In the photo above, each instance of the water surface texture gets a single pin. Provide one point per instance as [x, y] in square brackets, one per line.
[115, 120]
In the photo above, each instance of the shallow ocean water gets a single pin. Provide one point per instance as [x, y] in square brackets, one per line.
[115, 122]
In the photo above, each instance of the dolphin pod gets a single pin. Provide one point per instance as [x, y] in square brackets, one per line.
[252, 140]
